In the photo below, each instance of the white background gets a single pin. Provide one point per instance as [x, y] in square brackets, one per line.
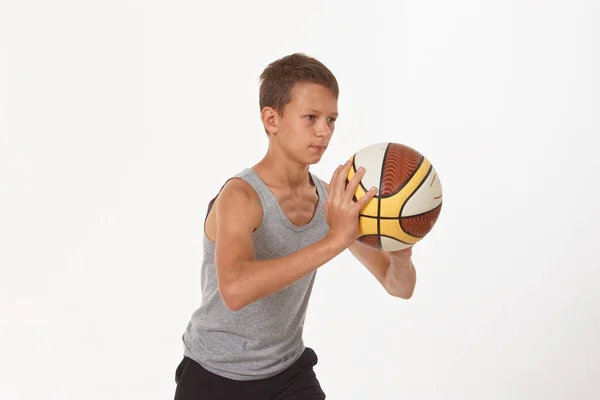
[120, 120]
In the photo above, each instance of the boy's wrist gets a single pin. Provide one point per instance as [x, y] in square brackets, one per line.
[334, 244]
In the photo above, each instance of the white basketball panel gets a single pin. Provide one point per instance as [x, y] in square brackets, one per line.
[388, 244]
[371, 158]
[427, 197]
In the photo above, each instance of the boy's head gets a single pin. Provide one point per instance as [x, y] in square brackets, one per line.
[278, 79]
[298, 103]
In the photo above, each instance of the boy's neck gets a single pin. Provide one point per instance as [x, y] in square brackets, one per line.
[282, 173]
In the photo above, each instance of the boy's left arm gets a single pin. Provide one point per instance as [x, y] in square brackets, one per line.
[394, 270]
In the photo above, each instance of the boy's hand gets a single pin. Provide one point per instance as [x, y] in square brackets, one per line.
[404, 254]
[341, 210]
[401, 258]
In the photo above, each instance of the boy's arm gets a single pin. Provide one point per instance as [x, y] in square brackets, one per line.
[394, 270]
[243, 279]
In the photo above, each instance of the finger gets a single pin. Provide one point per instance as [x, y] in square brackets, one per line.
[333, 182]
[337, 184]
[403, 254]
[343, 176]
[353, 184]
[363, 201]
[335, 174]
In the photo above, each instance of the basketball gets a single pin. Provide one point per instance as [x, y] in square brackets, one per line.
[408, 200]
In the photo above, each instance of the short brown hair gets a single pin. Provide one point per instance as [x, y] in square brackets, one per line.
[278, 79]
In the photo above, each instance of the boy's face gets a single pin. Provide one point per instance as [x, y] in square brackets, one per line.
[304, 130]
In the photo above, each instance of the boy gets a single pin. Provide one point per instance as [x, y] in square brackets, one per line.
[265, 234]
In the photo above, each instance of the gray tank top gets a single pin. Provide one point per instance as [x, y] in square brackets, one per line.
[265, 337]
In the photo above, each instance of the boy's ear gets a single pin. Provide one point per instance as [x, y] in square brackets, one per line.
[270, 119]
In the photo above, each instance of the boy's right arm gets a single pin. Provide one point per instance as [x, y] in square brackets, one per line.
[243, 279]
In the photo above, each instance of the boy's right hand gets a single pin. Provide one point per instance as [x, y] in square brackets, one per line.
[341, 210]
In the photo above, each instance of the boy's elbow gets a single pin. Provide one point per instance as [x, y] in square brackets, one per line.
[405, 294]
[231, 297]
[229, 287]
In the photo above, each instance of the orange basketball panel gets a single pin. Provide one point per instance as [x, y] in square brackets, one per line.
[399, 165]
[370, 240]
[420, 225]
[392, 205]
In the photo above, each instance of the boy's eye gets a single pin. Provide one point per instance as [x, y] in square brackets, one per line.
[312, 117]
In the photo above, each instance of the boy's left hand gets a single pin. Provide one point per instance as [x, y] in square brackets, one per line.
[404, 254]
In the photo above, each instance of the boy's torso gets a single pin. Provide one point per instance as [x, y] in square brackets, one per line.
[266, 336]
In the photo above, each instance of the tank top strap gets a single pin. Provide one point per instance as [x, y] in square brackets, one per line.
[321, 190]
[268, 201]
[257, 184]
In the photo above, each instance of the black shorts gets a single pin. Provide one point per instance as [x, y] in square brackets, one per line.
[298, 382]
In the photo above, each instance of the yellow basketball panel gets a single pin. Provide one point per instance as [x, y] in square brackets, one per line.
[391, 227]
[367, 226]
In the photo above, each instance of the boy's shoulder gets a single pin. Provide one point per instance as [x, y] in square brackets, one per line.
[323, 183]
[237, 187]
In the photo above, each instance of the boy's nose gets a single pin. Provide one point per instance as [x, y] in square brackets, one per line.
[324, 130]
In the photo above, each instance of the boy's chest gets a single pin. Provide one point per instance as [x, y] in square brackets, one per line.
[299, 208]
